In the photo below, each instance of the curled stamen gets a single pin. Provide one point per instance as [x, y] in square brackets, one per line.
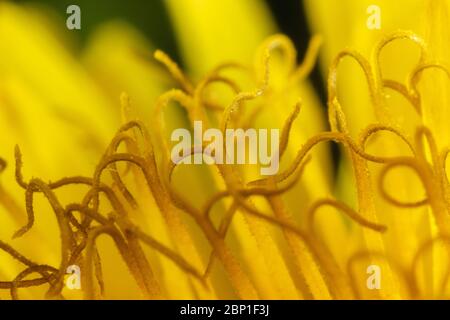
[143, 273]
[403, 90]
[148, 167]
[223, 228]
[236, 104]
[336, 137]
[230, 65]
[24, 260]
[82, 227]
[23, 283]
[332, 273]
[375, 128]
[19, 164]
[142, 128]
[147, 151]
[312, 271]
[443, 162]
[30, 214]
[434, 193]
[52, 185]
[119, 157]
[173, 95]
[66, 233]
[88, 211]
[307, 65]
[114, 172]
[7, 200]
[257, 191]
[15, 254]
[399, 35]
[209, 80]
[414, 77]
[342, 207]
[188, 152]
[174, 70]
[226, 221]
[283, 43]
[240, 281]
[124, 252]
[78, 180]
[391, 199]
[245, 96]
[42, 269]
[287, 129]
[421, 132]
[333, 101]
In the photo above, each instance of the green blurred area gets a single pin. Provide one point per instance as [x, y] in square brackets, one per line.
[150, 17]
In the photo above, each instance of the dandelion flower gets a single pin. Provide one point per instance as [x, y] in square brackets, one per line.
[87, 182]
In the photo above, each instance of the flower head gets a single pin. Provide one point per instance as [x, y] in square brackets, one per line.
[219, 231]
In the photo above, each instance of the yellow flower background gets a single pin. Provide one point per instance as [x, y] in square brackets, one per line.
[86, 177]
